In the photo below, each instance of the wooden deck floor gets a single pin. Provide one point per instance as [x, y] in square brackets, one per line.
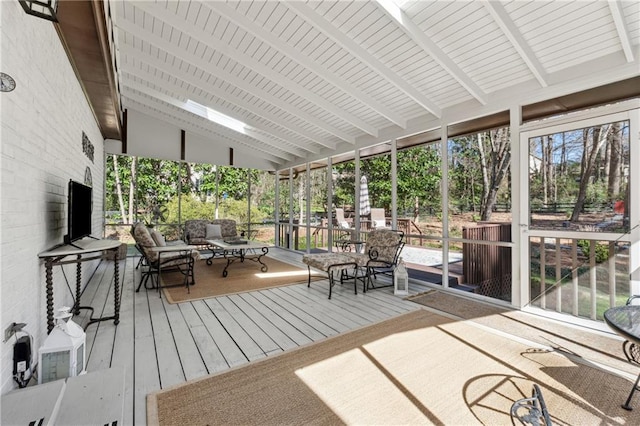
[161, 344]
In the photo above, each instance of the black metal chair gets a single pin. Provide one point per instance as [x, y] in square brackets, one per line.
[382, 250]
[181, 258]
[531, 411]
[182, 261]
[632, 352]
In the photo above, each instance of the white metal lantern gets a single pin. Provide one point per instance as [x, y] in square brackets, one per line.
[400, 279]
[63, 353]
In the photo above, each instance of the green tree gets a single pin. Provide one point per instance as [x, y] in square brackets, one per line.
[419, 169]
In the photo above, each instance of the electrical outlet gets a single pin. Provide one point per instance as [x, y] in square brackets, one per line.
[9, 331]
[22, 366]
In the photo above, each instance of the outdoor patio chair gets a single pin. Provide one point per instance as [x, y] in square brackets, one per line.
[182, 259]
[378, 219]
[347, 231]
[381, 252]
[340, 219]
[531, 411]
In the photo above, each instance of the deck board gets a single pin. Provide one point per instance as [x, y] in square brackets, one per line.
[123, 349]
[243, 340]
[209, 352]
[256, 300]
[192, 364]
[250, 325]
[161, 344]
[278, 336]
[169, 364]
[230, 350]
[146, 375]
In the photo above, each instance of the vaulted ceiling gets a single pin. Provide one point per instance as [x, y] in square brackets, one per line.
[312, 78]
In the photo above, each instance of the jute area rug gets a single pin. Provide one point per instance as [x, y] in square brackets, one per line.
[575, 341]
[241, 277]
[418, 368]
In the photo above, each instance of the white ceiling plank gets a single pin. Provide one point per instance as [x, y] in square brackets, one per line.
[315, 67]
[175, 51]
[300, 151]
[252, 61]
[354, 49]
[621, 27]
[214, 90]
[257, 66]
[416, 34]
[505, 23]
[168, 100]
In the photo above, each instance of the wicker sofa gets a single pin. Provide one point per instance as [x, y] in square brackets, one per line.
[198, 231]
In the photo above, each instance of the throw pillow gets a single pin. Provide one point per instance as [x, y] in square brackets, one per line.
[214, 232]
[158, 238]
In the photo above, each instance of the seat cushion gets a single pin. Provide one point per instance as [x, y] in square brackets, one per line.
[324, 261]
[179, 258]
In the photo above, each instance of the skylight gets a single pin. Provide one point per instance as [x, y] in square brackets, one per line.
[215, 116]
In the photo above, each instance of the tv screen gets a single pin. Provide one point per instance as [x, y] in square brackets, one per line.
[79, 210]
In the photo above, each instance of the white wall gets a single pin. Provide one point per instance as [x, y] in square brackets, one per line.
[152, 138]
[41, 146]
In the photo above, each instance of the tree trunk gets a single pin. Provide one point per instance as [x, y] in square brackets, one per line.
[132, 184]
[543, 171]
[615, 162]
[484, 166]
[500, 162]
[592, 146]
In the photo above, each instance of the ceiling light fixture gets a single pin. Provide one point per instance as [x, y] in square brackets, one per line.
[42, 9]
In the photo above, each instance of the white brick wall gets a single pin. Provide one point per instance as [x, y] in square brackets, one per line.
[41, 149]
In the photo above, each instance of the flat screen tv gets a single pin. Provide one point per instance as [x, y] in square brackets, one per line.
[80, 205]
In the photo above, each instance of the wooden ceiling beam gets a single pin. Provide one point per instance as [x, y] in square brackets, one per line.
[82, 30]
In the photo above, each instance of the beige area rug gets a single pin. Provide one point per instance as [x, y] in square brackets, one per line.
[575, 341]
[241, 277]
[418, 368]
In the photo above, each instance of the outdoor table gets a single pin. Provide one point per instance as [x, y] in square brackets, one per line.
[625, 320]
[237, 250]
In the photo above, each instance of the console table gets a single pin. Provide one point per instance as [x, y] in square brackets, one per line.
[81, 251]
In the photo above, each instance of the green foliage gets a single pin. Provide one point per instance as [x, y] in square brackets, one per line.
[192, 208]
[602, 250]
[158, 182]
[237, 209]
